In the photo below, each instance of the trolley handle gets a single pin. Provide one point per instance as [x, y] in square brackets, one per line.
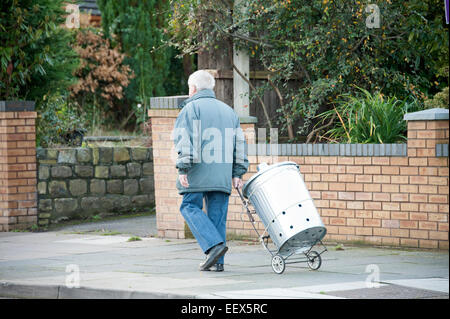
[245, 203]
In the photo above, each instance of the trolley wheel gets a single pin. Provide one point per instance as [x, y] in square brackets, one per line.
[314, 260]
[278, 264]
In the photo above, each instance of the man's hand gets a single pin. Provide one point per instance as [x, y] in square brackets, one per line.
[237, 182]
[184, 180]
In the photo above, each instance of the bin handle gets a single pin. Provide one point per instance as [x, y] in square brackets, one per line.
[245, 203]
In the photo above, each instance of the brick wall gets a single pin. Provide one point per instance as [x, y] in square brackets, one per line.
[382, 200]
[82, 182]
[18, 198]
[169, 221]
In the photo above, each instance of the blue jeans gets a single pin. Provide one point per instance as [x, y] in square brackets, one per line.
[209, 229]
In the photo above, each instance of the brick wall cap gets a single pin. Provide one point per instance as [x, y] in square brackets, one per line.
[431, 114]
[16, 106]
[248, 119]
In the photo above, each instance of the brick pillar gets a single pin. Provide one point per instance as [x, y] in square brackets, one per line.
[169, 221]
[430, 173]
[18, 193]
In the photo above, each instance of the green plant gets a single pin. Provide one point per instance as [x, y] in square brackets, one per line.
[57, 119]
[316, 50]
[35, 54]
[440, 100]
[134, 238]
[138, 28]
[368, 119]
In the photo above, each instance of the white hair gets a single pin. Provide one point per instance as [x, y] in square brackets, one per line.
[201, 79]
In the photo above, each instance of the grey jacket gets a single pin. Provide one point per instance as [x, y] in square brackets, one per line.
[210, 144]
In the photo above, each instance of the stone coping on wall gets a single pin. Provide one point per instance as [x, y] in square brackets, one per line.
[328, 149]
[435, 114]
[167, 102]
[16, 106]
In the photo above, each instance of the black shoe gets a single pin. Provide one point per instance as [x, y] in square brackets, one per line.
[217, 267]
[214, 254]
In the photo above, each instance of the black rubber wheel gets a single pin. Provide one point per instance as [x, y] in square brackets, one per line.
[314, 260]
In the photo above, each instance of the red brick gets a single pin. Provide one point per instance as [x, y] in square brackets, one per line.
[390, 188]
[381, 231]
[372, 205]
[420, 234]
[381, 214]
[381, 197]
[407, 242]
[354, 169]
[428, 244]
[350, 178]
[438, 235]
[364, 231]
[409, 224]
[337, 221]
[409, 170]
[400, 233]
[372, 222]
[347, 230]
[399, 197]
[345, 160]
[438, 198]
[399, 215]
[391, 206]
[418, 216]
[372, 188]
[363, 214]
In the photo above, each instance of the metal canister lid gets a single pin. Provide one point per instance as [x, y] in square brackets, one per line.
[264, 168]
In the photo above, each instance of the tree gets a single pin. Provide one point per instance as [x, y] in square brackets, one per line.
[102, 76]
[35, 53]
[137, 27]
[330, 47]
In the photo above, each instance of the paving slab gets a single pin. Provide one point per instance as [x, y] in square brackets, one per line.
[58, 264]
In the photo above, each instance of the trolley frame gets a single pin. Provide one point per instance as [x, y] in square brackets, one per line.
[279, 261]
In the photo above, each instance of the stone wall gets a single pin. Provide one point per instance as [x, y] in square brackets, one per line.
[82, 182]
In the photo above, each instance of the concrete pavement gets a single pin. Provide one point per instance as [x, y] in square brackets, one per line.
[63, 264]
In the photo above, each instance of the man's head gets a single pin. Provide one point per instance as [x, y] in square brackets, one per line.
[200, 80]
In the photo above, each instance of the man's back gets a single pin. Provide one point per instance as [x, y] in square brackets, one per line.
[209, 152]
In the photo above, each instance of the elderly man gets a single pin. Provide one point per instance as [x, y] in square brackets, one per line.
[211, 159]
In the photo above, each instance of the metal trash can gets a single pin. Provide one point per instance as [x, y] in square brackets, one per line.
[283, 203]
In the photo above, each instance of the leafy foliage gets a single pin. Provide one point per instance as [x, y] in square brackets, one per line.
[369, 119]
[138, 28]
[35, 53]
[57, 119]
[325, 44]
[102, 76]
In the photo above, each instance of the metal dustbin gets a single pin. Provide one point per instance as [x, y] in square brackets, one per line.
[283, 203]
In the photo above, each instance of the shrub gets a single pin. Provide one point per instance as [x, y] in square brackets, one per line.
[35, 53]
[56, 120]
[368, 119]
[323, 48]
[102, 77]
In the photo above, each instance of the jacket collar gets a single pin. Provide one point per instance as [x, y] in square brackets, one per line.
[206, 93]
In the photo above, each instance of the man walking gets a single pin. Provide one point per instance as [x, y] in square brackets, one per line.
[211, 159]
